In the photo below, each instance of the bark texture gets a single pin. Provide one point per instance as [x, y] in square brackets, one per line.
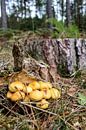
[47, 58]
[3, 14]
[68, 10]
[49, 9]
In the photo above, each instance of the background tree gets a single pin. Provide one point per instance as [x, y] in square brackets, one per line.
[22, 14]
[79, 13]
[68, 13]
[3, 15]
[49, 9]
[62, 8]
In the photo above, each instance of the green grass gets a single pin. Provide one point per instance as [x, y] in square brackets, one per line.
[9, 33]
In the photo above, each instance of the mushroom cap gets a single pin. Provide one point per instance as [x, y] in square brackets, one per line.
[43, 104]
[36, 95]
[49, 84]
[9, 94]
[34, 85]
[55, 94]
[15, 86]
[45, 85]
[46, 93]
[17, 96]
[27, 89]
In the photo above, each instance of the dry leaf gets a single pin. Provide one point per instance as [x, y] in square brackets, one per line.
[71, 91]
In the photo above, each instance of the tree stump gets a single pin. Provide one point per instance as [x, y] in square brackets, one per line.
[39, 57]
[47, 58]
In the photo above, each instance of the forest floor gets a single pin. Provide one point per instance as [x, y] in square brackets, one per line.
[67, 113]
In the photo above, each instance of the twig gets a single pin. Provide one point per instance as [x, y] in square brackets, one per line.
[71, 114]
[50, 113]
[9, 109]
[39, 109]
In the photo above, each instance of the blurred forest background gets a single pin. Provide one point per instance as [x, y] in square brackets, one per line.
[37, 14]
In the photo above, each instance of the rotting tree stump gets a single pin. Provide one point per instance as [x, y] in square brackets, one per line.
[47, 58]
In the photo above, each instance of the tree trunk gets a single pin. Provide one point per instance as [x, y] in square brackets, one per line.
[68, 11]
[49, 11]
[3, 15]
[80, 14]
[25, 10]
[62, 9]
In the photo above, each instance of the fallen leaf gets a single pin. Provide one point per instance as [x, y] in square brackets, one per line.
[72, 91]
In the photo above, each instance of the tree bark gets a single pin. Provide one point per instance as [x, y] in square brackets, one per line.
[68, 15]
[3, 15]
[46, 58]
[44, 54]
[62, 9]
[49, 11]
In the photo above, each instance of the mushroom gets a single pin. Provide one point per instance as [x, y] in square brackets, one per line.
[36, 95]
[9, 94]
[27, 98]
[43, 104]
[49, 84]
[34, 85]
[15, 86]
[27, 89]
[46, 93]
[55, 94]
[17, 96]
[45, 85]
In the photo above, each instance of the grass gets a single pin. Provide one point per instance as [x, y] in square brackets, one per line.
[9, 33]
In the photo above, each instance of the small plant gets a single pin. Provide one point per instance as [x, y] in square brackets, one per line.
[72, 31]
[81, 99]
[59, 29]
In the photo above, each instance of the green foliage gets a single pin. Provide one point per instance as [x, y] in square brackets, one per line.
[83, 84]
[61, 125]
[57, 24]
[9, 33]
[58, 27]
[6, 34]
[72, 31]
[39, 3]
[43, 32]
[60, 30]
[26, 24]
[76, 74]
[81, 99]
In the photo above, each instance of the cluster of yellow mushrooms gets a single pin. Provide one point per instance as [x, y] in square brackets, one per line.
[38, 91]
